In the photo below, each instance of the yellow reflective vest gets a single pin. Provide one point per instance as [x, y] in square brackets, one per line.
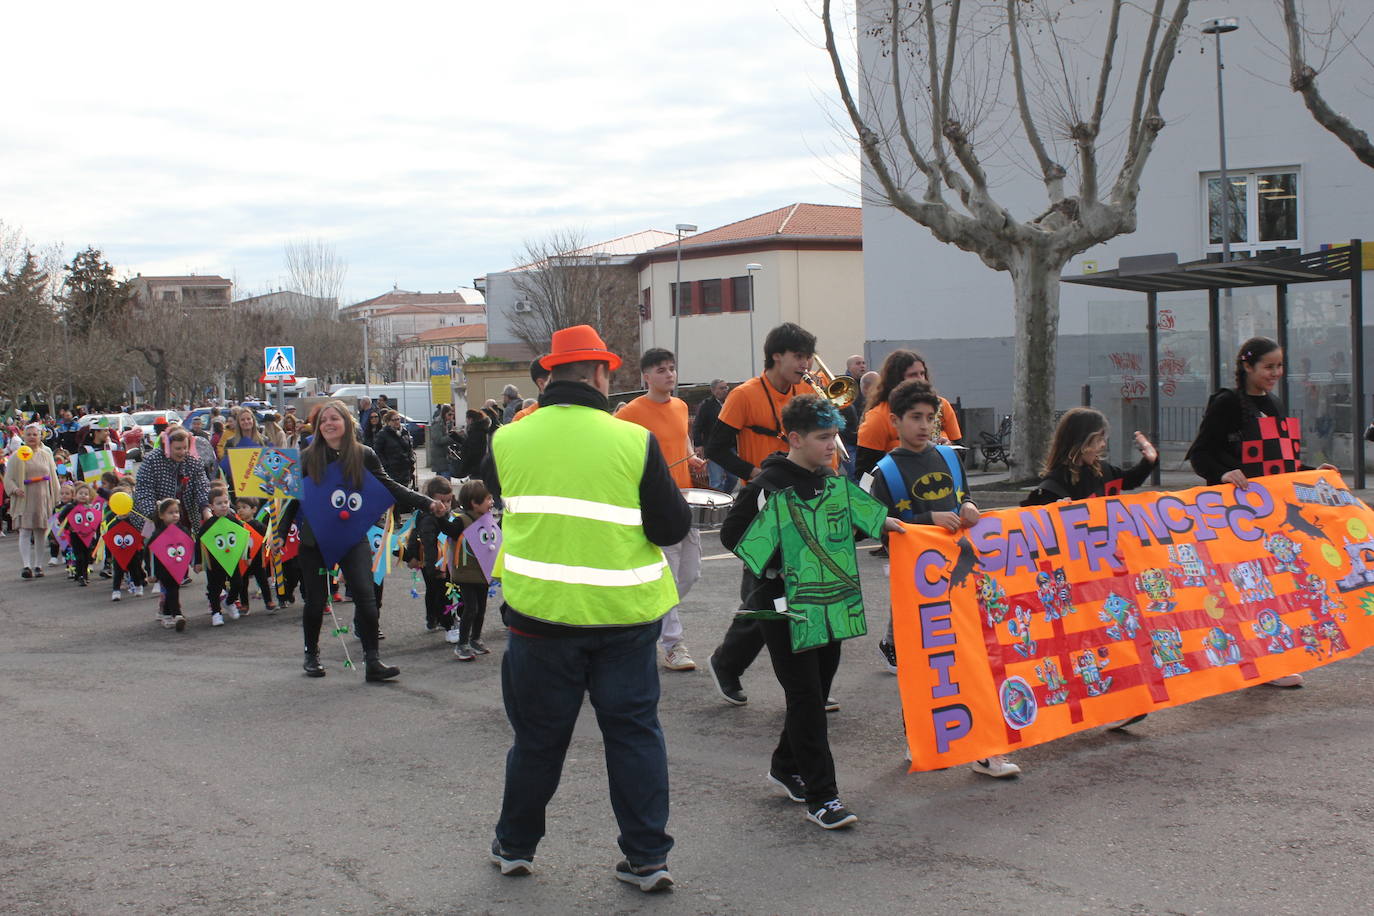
[573, 550]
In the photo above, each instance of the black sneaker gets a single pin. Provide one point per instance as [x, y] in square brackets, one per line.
[511, 865]
[832, 815]
[26, 573]
[793, 785]
[727, 686]
[648, 878]
[889, 656]
[832, 704]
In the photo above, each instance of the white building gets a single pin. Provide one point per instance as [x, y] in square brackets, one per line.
[1301, 189]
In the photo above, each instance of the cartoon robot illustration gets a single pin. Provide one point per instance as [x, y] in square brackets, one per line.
[1065, 595]
[1122, 616]
[1056, 686]
[1335, 639]
[1221, 648]
[1250, 581]
[1168, 652]
[1191, 571]
[1286, 551]
[1310, 643]
[1316, 586]
[992, 599]
[277, 473]
[1270, 626]
[1155, 585]
[1089, 666]
[1020, 628]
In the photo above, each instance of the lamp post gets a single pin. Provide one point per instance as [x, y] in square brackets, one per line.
[1218, 28]
[677, 296]
[753, 356]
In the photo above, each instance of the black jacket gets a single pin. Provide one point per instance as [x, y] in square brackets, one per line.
[396, 453]
[427, 529]
[664, 515]
[1216, 449]
[705, 421]
[476, 445]
[925, 476]
[1059, 485]
[778, 473]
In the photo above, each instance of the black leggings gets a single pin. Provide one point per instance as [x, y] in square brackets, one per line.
[474, 610]
[217, 580]
[436, 598]
[804, 747]
[356, 567]
[134, 572]
[257, 572]
[82, 553]
[171, 590]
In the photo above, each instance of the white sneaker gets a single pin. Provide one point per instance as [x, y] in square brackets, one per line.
[998, 767]
[53, 561]
[114, 595]
[1288, 680]
[168, 621]
[677, 659]
[216, 619]
[232, 611]
[137, 591]
[180, 623]
[452, 636]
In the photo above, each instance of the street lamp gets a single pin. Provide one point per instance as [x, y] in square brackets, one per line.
[677, 296]
[753, 356]
[1218, 28]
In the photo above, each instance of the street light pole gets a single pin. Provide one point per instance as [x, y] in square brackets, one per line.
[677, 297]
[753, 355]
[1217, 28]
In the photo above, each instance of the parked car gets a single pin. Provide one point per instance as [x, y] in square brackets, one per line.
[111, 421]
[145, 419]
[416, 429]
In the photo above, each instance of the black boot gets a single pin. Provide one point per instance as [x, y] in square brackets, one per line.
[312, 665]
[377, 671]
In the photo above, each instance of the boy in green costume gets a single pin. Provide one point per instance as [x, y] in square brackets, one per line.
[794, 527]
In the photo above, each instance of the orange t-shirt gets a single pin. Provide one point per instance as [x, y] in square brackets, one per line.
[877, 432]
[757, 403]
[668, 423]
[524, 412]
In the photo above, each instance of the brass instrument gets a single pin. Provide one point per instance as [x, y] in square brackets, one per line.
[839, 390]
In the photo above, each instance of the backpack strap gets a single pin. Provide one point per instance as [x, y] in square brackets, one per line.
[896, 486]
[956, 471]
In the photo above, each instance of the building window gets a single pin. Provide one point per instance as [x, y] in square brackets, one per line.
[710, 297]
[744, 300]
[686, 298]
[1264, 212]
[645, 302]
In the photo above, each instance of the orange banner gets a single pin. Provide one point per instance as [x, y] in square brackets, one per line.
[1040, 622]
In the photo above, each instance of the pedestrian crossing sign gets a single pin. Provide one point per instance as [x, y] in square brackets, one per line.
[280, 362]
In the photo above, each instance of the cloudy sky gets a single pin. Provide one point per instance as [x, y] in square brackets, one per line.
[426, 141]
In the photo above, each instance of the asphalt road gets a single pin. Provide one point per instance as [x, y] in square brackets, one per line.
[149, 771]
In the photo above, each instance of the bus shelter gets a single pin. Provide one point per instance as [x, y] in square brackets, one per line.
[1161, 273]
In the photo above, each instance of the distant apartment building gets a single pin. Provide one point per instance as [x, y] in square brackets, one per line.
[202, 291]
[400, 313]
[285, 300]
[458, 342]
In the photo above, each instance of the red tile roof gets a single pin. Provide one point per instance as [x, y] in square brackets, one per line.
[404, 297]
[810, 221]
[450, 309]
[458, 332]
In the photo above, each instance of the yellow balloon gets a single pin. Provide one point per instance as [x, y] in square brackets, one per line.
[24, 453]
[1357, 528]
[121, 503]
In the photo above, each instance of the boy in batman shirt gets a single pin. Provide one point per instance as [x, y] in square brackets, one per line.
[923, 484]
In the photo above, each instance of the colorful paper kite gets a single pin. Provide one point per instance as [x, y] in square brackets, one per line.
[340, 515]
[124, 541]
[482, 540]
[174, 549]
[227, 542]
[84, 522]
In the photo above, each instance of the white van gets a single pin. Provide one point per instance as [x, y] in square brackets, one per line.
[410, 398]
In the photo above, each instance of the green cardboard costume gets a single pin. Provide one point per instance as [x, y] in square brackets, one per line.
[820, 569]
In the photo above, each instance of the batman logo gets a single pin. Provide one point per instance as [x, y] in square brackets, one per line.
[932, 486]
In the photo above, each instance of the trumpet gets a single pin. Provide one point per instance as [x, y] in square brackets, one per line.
[839, 390]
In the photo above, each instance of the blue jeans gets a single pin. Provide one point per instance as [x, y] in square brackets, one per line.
[543, 680]
[720, 478]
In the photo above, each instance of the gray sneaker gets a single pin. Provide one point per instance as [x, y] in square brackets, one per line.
[464, 652]
[511, 865]
[648, 878]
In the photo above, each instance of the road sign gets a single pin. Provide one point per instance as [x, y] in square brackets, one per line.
[440, 381]
[265, 379]
[280, 362]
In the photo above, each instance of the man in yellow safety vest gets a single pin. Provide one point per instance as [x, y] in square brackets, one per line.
[589, 502]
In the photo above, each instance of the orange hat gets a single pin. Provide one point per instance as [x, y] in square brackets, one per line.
[579, 343]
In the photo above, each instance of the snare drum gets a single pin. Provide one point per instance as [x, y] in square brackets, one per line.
[709, 507]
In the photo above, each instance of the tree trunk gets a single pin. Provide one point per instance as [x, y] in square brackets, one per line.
[160, 382]
[1035, 285]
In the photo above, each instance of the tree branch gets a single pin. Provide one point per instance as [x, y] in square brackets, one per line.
[1303, 80]
[1051, 171]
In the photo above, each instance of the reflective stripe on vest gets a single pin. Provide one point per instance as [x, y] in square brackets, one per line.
[577, 560]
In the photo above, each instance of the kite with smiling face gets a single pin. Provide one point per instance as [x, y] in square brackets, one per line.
[84, 522]
[174, 549]
[226, 541]
[124, 541]
[339, 514]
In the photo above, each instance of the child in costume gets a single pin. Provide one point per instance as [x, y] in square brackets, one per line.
[83, 503]
[56, 552]
[474, 501]
[1074, 468]
[922, 483]
[794, 526]
[257, 566]
[168, 516]
[428, 527]
[219, 583]
[289, 564]
[133, 568]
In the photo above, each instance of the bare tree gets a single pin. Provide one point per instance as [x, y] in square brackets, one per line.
[315, 270]
[969, 84]
[566, 282]
[1303, 79]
